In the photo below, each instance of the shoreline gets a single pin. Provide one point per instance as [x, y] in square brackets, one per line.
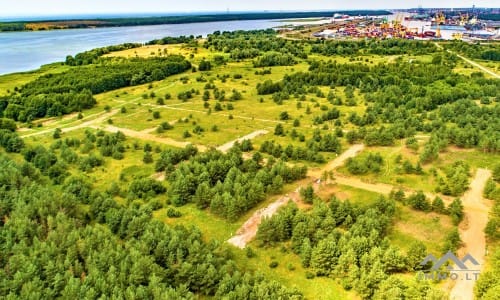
[65, 24]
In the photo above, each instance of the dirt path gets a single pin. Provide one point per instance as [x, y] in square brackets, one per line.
[475, 64]
[349, 153]
[249, 229]
[472, 234]
[224, 148]
[147, 136]
[101, 118]
[53, 120]
[383, 188]
[214, 114]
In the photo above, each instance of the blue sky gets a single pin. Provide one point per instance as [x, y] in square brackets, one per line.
[58, 7]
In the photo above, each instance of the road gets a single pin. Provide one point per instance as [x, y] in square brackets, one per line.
[248, 230]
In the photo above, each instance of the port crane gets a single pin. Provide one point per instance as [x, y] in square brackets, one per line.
[440, 20]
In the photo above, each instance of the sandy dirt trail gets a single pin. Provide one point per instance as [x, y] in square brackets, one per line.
[475, 64]
[476, 210]
[147, 136]
[101, 118]
[383, 188]
[224, 148]
[349, 153]
[249, 229]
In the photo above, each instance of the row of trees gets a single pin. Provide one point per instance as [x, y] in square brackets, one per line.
[419, 201]
[114, 74]
[92, 56]
[57, 94]
[291, 152]
[488, 51]
[373, 46]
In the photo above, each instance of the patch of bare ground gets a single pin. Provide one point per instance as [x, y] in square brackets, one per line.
[248, 230]
[149, 137]
[224, 148]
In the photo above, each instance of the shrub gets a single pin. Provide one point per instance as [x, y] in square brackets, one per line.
[173, 213]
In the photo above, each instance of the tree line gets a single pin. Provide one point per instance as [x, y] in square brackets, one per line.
[70, 91]
[488, 51]
[91, 56]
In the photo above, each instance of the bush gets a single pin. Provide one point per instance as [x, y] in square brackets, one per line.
[57, 133]
[148, 158]
[279, 130]
[205, 66]
[173, 213]
[249, 252]
[359, 165]
[8, 124]
[145, 188]
[273, 264]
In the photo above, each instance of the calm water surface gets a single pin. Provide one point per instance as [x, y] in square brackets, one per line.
[24, 51]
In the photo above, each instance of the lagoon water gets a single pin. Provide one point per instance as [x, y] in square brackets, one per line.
[24, 51]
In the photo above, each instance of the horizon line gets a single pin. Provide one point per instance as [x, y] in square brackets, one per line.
[204, 12]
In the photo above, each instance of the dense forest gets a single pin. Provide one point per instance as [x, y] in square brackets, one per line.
[58, 94]
[51, 248]
[227, 184]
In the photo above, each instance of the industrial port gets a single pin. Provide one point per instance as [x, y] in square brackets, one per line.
[422, 25]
